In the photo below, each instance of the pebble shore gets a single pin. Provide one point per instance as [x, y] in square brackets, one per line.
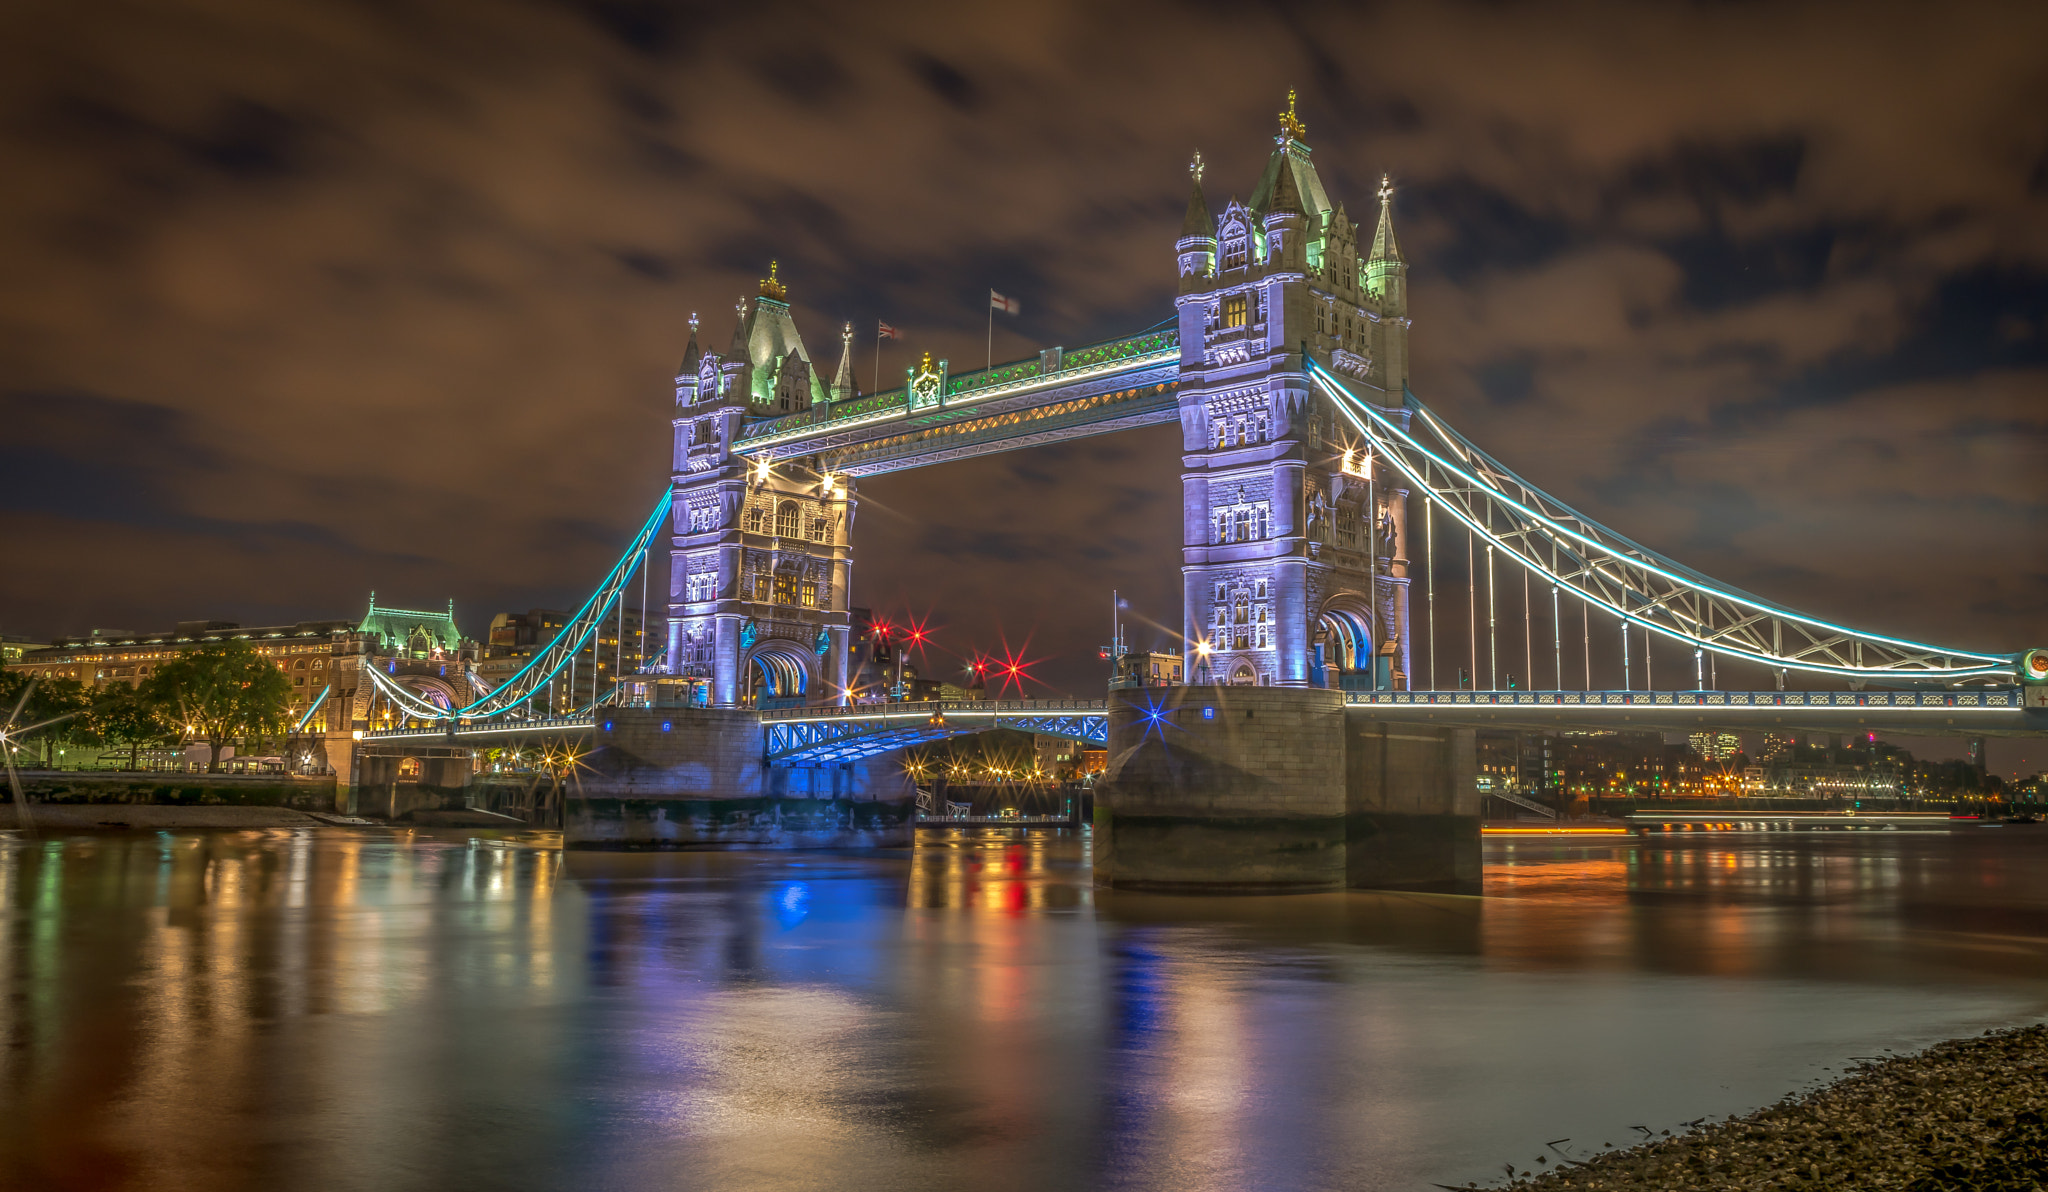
[1962, 1116]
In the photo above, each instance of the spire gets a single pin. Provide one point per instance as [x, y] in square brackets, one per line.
[692, 355]
[1383, 246]
[1197, 222]
[842, 381]
[738, 350]
[1286, 195]
[771, 285]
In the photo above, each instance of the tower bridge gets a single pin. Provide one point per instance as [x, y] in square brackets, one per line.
[1316, 486]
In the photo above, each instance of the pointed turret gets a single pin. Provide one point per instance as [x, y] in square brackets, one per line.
[1286, 198]
[737, 349]
[1197, 223]
[842, 381]
[692, 355]
[1197, 247]
[1385, 270]
[1384, 247]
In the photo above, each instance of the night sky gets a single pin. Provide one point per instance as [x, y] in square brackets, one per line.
[303, 300]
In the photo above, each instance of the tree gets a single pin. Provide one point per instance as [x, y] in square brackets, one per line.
[129, 716]
[60, 700]
[221, 692]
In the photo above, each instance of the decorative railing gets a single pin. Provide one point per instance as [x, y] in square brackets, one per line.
[928, 707]
[1997, 697]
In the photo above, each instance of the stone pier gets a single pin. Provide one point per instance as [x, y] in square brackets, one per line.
[695, 778]
[1268, 789]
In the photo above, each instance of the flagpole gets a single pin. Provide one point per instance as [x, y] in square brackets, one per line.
[991, 332]
[878, 357]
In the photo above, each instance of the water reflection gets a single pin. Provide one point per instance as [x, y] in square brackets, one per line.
[337, 1009]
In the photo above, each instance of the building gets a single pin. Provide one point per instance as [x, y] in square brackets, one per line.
[761, 558]
[1715, 747]
[1295, 560]
[617, 650]
[1777, 746]
[14, 645]
[325, 660]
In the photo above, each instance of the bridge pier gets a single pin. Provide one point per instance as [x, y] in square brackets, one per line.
[697, 778]
[1266, 789]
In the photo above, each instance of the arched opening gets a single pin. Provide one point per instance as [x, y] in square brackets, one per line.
[1343, 644]
[409, 770]
[777, 671]
[788, 520]
[1244, 676]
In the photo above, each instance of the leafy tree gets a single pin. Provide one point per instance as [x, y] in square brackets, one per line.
[130, 716]
[50, 699]
[222, 691]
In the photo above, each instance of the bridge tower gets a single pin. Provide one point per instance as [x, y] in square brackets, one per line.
[762, 559]
[1294, 555]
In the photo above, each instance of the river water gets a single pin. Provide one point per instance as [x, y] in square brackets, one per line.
[337, 1009]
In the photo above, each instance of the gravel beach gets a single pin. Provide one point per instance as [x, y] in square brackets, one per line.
[1962, 1115]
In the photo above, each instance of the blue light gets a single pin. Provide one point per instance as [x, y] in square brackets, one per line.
[607, 726]
[666, 726]
[1208, 713]
[792, 905]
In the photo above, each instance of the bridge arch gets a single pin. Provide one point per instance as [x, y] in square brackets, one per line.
[1344, 638]
[780, 669]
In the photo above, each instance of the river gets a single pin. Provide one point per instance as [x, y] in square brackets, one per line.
[377, 1009]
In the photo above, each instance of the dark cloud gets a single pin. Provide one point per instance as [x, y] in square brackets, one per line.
[310, 300]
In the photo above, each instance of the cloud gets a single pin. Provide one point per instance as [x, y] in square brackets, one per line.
[304, 301]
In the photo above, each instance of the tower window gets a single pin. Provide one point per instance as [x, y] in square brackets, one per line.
[754, 519]
[809, 594]
[1236, 311]
[788, 520]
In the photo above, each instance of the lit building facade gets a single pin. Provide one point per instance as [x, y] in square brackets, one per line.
[762, 564]
[324, 660]
[1294, 558]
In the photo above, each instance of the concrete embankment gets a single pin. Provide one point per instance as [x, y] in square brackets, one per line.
[1962, 1115]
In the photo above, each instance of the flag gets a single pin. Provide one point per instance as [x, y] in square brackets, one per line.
[884, 331]
[1008, 306]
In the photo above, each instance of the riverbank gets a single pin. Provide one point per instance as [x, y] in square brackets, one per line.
[1962, 1116]
[67, 817]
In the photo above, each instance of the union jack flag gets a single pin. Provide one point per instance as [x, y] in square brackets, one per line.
[884, 331]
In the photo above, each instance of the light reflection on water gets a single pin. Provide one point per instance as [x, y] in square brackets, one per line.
[336, 1009]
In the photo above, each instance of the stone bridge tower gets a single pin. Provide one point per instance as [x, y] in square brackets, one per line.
[762, 561]
[1295, 541]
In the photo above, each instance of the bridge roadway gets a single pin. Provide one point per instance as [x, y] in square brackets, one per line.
[827, 736]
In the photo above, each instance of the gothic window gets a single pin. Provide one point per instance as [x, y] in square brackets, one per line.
[754, 518]
[1219, 593]
[785, 590]
[808, 596]
[1239, 430]
[1222, 430]
[1222, 616]
[1262, 589]
[1260, 637]
[817, 529]
[1222, 533]
[788, 520]
[1243, 524]
[1265, 433]
[1263, 529]
[1233, 258]
[1236, 311]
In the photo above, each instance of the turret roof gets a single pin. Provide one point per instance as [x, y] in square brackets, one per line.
[1384, 247]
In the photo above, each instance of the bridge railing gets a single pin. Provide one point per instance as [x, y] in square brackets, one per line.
[928, 707]
[1995, 697]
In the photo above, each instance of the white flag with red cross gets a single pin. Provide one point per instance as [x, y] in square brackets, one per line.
[1008, 306]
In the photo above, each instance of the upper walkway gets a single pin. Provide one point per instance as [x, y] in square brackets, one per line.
[1059, 394]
